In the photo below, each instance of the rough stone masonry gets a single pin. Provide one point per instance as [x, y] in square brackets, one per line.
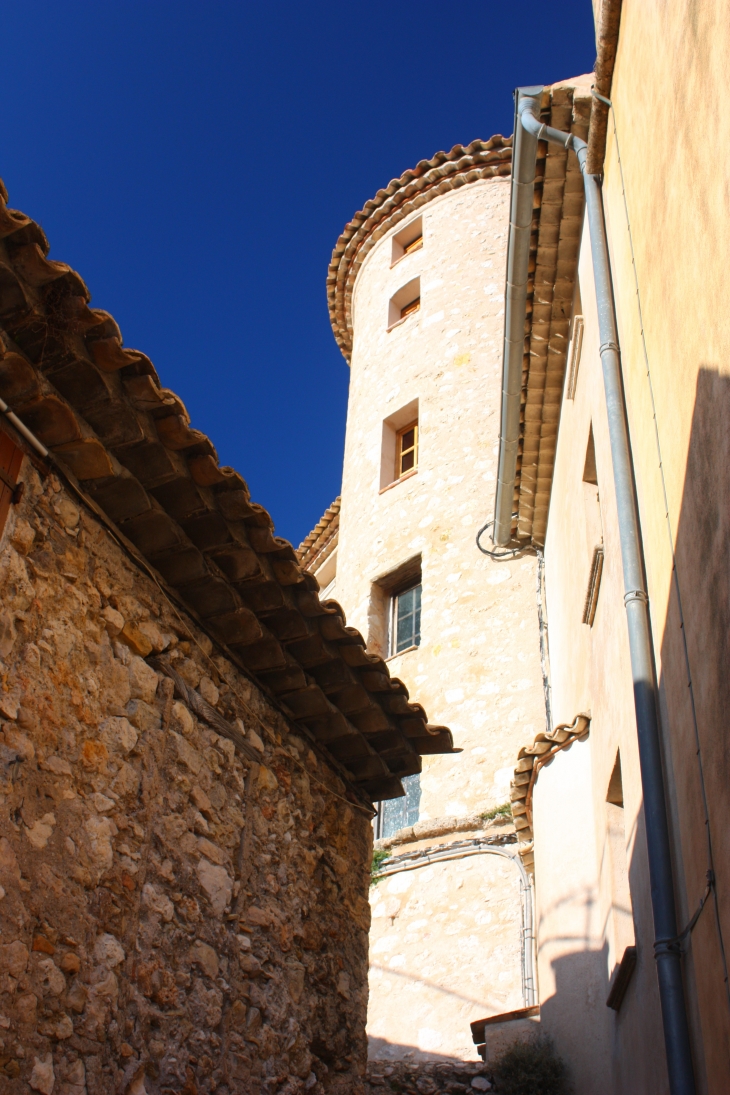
[175, 916]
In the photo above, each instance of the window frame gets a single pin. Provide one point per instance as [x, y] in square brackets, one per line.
[407, 241]
[414, 583]
[399, 470]
[410, 309]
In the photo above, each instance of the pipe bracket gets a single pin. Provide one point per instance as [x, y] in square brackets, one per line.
[636, 595]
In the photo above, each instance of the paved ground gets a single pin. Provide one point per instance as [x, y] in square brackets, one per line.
[419, 1078]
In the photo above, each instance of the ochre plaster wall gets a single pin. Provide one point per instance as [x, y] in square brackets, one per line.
[591, 673]
[147, 944]
[571, 960]
[668, 92]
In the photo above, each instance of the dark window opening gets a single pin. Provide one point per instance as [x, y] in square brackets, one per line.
[399, 813]
[406, 629]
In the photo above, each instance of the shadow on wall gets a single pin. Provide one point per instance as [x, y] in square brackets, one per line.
[627, 1046]
[702, 552]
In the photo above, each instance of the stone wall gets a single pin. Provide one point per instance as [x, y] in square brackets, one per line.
[175, 916]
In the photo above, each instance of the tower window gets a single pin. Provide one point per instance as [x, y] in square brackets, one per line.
[400, 442]
[406, 449]
[408, 240]
[404, 303]
[406, 620]
[398, 813]
[409, 309]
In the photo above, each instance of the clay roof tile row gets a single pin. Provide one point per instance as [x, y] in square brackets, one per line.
[101, 410]
[430, 178]
[556, 228]
[320, 542]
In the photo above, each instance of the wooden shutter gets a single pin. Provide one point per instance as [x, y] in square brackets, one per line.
[11, 458]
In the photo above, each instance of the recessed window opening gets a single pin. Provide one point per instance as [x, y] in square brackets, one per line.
[405, 626]
[576, 344]
[620, 923]
[400, 443]
[394, 610]
[404, 303]
[398, 813]
[408, 240]
[406, 449]
[594, 531]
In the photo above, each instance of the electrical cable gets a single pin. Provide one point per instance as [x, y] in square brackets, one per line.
[505, 553]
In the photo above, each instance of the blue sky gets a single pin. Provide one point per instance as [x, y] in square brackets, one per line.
[196, 162]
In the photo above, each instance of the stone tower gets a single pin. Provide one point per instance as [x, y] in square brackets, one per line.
[417, 299]
[416, 293]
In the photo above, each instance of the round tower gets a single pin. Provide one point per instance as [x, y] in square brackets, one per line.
[417, 303]
[416, 293]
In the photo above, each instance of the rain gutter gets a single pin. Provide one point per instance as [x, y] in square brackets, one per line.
[524, 155]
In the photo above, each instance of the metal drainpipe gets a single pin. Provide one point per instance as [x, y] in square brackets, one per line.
[524, 154]
[667, 951]
[459, 851]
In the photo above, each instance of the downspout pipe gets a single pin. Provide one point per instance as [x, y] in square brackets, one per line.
[524, 156]
[667, 951]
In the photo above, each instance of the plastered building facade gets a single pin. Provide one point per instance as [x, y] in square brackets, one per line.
[416, 297]
[583, 802]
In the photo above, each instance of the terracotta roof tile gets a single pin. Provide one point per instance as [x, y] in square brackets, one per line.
[430, 178]
[322, 540]
[101, 410]
[556, 227]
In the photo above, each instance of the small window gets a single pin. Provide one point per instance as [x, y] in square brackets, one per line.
[399, 813]
[384, 609]
[576, 343]
[406, 620]
[409, 309]
[406, 449]
[396, 445]
[594, 531]
[404, 303]
[408, 240]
